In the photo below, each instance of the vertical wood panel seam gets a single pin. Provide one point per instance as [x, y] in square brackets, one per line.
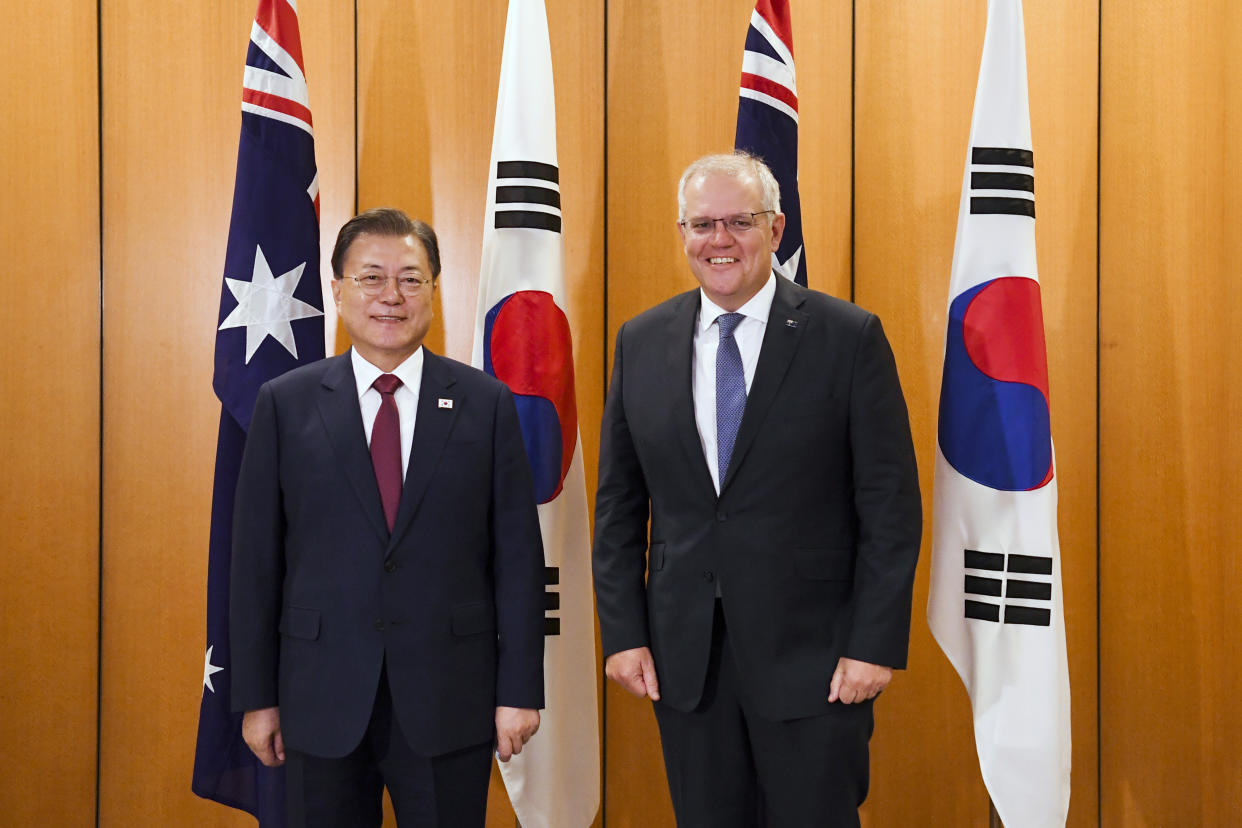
[98, 548]
[853, 141]
[603, 702]
[1099, 500]
[354, 206]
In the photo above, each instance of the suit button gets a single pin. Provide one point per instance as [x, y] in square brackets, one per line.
[707, 576]
[390, 566]
[379, 624]
[721, 517]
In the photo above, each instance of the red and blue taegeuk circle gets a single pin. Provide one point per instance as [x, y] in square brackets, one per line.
[994, 405]
[527, 345]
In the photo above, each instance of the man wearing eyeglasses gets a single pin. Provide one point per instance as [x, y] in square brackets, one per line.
[387, 572]
[758, 431]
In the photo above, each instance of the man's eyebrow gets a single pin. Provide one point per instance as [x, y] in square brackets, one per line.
[378, 266]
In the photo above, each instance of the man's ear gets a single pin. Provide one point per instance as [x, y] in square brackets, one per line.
[778, 230]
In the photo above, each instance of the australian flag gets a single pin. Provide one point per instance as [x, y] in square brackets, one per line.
[767, 120]
[271, 320]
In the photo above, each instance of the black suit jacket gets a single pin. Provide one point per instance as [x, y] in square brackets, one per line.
[815, 534]
[322, 596]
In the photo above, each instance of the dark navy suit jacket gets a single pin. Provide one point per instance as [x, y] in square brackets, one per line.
[322, 596]
[815, 534]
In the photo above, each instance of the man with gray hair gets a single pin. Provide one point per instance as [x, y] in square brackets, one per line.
[759, 431]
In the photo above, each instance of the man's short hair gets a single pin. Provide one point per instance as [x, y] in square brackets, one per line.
[385, 221]
[737, 164]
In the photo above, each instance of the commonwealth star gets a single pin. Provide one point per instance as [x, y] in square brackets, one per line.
[265, 306]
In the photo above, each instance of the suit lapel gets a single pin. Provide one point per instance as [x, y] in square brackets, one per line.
[342, 418]
[432, 426]
[786, 322]
[681, 332]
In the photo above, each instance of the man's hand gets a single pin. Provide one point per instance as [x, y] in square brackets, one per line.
[856, 681]
[261, 730]
[514, 727]
[635, 671]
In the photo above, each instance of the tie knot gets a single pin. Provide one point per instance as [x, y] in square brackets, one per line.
[728, 323]
[386, 383]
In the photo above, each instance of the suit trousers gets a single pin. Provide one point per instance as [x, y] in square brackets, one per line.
[447, 791]
[728, 767]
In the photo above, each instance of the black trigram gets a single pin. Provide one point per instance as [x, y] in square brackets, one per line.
[1009, 587]
[996, 187]
[528, 194]
[551, 600]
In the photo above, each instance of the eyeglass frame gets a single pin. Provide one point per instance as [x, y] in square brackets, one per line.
[421, 282]
[685, 223]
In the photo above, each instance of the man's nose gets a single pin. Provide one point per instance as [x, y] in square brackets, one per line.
[390, 295]
[720, 233]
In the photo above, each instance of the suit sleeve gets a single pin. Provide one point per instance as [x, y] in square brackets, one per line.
[517, 549]
[887, 503]
[256, 573]
[622, 509]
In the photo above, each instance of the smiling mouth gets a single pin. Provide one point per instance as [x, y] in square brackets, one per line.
[721, 260]
[388, 318]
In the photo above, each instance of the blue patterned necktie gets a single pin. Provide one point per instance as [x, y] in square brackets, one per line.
[730, 391]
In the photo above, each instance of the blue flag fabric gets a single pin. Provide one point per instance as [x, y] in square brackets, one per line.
[271, 320]
[767, 120]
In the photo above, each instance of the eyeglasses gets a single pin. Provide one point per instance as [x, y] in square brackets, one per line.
[740, 223]
[373, 284]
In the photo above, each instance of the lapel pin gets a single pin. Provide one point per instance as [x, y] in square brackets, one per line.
[791, 323]
[445, 403]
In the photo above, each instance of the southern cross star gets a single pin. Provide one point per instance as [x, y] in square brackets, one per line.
[209, 670]
[265, 306]
[789, 267]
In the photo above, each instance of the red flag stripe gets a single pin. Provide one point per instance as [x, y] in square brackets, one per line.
[280, 21]
[776, 12]
[767, 87]
[277, 103]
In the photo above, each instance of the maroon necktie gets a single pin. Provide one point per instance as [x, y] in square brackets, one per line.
[386, 446]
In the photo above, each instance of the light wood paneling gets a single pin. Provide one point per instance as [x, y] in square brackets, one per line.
[172, 91]
[49, 417]
[917, 66]
[1170, 312]
[672, 97]
[424, 144]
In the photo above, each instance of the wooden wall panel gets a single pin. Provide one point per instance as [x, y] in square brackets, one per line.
[1170, 312]
[171, 100]
[49, 413]
[424, 144]
[672, 96]
[917, 66]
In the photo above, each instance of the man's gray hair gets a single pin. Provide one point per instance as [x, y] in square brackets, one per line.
[736, 164]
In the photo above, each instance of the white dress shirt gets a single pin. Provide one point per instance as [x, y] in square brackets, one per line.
[749, 338]
[410, 373]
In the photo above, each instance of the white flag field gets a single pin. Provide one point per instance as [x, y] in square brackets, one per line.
[522, 336]
[995, 605]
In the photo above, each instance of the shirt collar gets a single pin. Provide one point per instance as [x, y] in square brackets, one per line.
[410, 371]
[759, 306]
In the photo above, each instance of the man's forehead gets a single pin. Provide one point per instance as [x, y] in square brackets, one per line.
[372, 249]
[714, 184]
